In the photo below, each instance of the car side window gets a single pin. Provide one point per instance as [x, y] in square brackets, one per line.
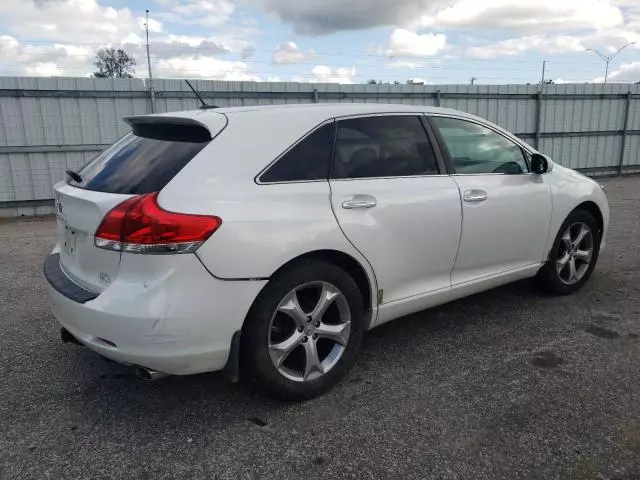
[382, 146]
[307, 160]
[477, 149]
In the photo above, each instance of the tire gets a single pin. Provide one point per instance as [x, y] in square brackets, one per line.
[561, 282]
[284, 372]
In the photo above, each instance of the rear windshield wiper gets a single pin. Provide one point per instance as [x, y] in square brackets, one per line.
[73, 175]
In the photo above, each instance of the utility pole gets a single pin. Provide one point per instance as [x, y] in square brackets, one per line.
[473, 79]
[151, 90]
[607, 59]
[544, 66]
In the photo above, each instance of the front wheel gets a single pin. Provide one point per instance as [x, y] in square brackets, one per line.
[573, 256]
[304, 330]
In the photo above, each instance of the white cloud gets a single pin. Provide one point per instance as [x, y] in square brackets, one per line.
[179, 45]
[204, 67]
[154, 25]
[403, 43]
[626, 73]
[516, 46]
[57, 30]
[609, 41]
[74, 21]
[316, 17]
[290, 53]
[198, 12]
[326, 74]
[44, 60]
[404, 64]
[529, 15]
[418, 81]
[46, 69]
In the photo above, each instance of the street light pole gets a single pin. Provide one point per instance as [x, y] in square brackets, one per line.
[607, 59]
[153, 96]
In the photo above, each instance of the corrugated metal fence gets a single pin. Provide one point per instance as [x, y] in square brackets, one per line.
[50, 124]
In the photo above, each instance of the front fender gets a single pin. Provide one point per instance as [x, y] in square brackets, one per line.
[570, 189]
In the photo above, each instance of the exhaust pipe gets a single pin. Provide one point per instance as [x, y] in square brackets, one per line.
[148, 374]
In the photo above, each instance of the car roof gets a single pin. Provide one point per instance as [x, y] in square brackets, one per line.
[317, 111]
[333, 109]
[305, 116]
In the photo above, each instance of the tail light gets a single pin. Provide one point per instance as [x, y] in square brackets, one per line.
[139, 225]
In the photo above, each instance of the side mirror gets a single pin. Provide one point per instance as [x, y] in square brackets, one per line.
[539, 164]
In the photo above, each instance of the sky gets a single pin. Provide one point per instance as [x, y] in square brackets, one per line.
[338, 41]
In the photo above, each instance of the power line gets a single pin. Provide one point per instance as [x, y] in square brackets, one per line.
[333, 72]
[200, 73]
[499, 67]
[315, 52]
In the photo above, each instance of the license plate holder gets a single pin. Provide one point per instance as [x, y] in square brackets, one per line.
[69, 241]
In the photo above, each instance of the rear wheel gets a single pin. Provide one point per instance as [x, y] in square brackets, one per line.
[573, 256]
[304, 330]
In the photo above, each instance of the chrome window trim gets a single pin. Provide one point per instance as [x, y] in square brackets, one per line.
[522, 144]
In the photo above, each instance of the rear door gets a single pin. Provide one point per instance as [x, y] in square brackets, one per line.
[143, 161]
[394, 204]
[506, 209]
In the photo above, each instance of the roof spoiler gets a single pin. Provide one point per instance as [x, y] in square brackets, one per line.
[164, 127]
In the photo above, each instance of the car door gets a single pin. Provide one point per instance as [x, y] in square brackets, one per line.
[394, 202]
[506, 210]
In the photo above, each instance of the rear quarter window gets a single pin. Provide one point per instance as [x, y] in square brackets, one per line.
[144, 160]
[307, 160]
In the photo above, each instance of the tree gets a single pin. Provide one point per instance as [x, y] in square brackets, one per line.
[114, 63]
[373, 81]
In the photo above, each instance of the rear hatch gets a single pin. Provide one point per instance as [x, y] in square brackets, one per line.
[143, 161]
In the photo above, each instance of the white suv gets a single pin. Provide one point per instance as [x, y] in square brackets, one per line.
[266, 240]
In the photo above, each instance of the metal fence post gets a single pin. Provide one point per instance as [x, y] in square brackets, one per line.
[538, 97]
[627, 107]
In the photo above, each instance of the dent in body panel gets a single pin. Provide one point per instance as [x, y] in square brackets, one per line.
[265, 226]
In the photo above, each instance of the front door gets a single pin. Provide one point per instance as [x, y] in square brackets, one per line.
[506, 210]
[393, 203]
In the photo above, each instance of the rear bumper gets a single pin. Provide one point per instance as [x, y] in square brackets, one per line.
[58, 279]
[180, 322]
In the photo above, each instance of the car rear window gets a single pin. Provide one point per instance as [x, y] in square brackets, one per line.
[144, 160]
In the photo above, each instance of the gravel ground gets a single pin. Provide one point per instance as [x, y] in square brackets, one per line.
[507, 384]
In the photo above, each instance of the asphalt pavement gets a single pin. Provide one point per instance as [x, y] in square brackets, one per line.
[507, 384]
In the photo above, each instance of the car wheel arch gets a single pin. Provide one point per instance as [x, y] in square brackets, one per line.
[350, 265]
[345, 261]
[593, 209]
[587, 206]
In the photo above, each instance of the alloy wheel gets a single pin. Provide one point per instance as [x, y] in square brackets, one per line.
[309, 331]
[575, 253]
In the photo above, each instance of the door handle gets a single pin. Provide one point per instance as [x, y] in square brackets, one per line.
[474, 196]
[359, 201]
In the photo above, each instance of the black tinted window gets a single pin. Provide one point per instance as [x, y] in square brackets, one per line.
[135, 165]
[385, 146]
[308, 160]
